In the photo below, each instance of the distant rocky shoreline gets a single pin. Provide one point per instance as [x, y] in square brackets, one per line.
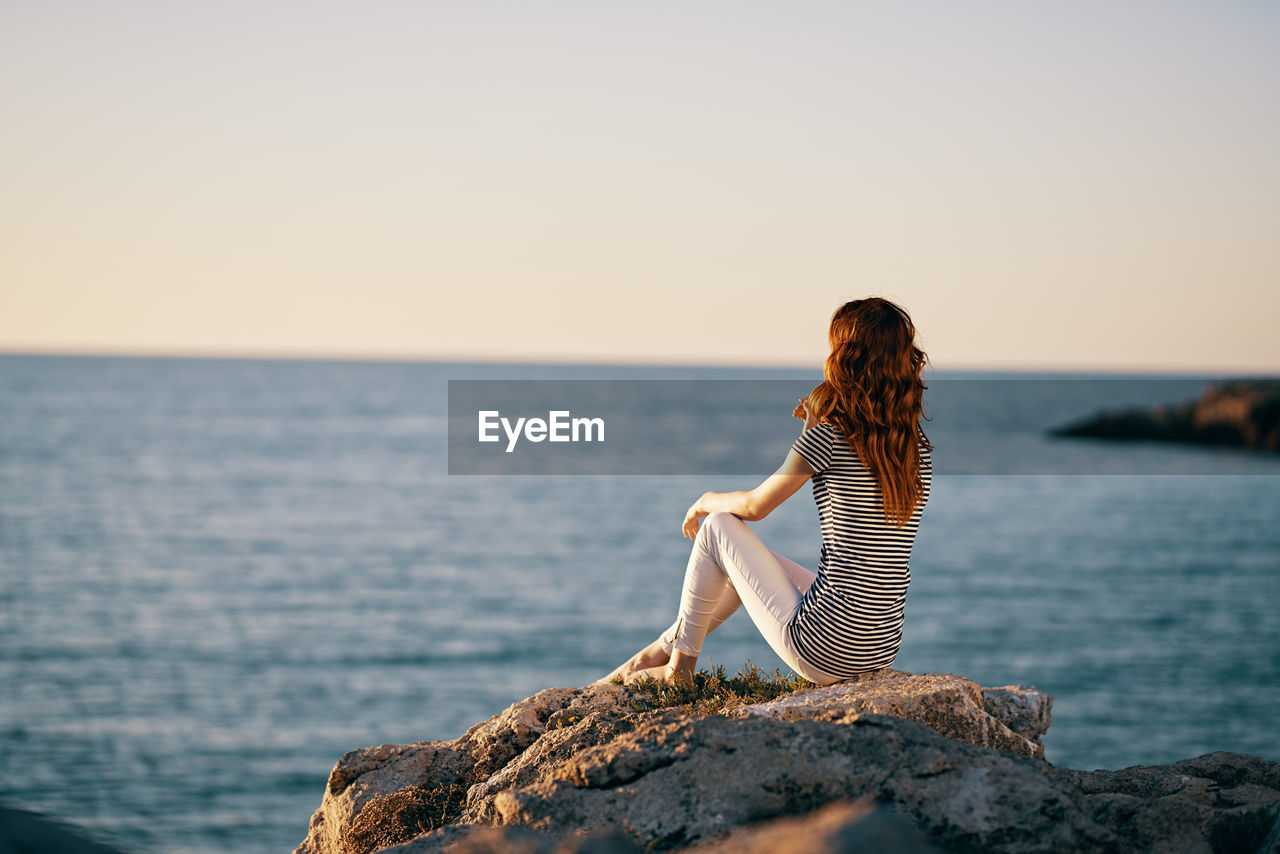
[889, 761]
[1239, 413]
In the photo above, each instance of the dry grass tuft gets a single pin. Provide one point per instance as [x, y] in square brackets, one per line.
[712, 691]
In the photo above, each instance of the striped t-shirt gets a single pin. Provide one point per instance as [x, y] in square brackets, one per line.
[850, 619]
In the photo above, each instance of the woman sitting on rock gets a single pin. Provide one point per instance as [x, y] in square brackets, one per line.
[871, 463]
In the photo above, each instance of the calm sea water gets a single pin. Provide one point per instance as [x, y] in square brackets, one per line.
[217, 576]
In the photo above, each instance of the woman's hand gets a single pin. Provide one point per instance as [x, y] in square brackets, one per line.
[690, 526]
[802, 412]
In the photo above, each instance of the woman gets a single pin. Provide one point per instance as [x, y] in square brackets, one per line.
[871, 465]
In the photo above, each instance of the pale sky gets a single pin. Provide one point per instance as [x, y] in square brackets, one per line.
[1084, 185]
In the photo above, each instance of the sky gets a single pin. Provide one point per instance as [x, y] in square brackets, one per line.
[1086, 185]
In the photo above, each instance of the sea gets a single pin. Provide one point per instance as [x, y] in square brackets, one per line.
[219, 575]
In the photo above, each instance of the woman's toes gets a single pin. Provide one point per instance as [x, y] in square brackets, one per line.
[655, 673]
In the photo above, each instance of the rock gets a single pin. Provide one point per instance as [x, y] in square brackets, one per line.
[383, 795]
[1245, 413]
[678, 779]
[427, 781]
[955, 706]
[838, 827]
[911, 760]
[554, 747]
[1024, 711]
[1215, 802]
[514, 839]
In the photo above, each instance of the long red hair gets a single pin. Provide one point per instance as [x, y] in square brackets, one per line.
[872, 391]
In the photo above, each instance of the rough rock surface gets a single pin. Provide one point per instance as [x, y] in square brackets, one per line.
[1007, 718]
[389, 778]
[842, 826]
[838, 827]
[678, 779]
[945, 762]
[1236, 412]
[1216, 802]
[514, 839]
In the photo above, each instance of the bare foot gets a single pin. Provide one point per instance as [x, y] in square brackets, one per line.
[680, 669]
[653, 655]
[658, 674]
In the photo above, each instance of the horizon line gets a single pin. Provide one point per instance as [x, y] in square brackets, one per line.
[579, 361]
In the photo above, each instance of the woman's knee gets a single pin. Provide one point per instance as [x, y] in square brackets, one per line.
[720, 520]
[714, 527]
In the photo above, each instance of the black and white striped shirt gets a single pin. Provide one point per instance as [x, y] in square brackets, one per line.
[850, 620]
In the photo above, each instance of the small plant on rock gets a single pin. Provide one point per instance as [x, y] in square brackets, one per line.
[712, 691]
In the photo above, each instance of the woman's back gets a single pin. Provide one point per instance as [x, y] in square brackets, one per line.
[851, 619]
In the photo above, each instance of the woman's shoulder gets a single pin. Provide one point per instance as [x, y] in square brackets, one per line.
[829, 429]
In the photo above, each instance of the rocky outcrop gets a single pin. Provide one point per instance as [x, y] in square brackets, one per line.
[1245, 413]
[838, 827]
[1215, 802]
[1008, 718]
[678, 780]
[381, 796]
[917, 761]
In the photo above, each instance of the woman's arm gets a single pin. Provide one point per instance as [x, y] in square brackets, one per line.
[755, 504]
[764, 499]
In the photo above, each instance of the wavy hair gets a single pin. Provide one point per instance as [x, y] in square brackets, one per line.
[873, 393]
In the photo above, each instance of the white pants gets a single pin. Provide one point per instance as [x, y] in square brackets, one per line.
[730, 566]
